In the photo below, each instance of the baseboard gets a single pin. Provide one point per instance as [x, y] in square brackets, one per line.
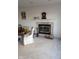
[57, 37]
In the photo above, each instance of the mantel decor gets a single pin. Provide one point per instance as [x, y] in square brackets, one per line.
[43, 15]
[23, 15]
[36, 17]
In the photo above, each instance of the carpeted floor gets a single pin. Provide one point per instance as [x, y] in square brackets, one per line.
[42, 48]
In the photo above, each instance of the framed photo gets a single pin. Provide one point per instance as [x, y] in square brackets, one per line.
[23, 15]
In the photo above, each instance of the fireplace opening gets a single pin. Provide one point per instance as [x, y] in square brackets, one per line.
[44, 29]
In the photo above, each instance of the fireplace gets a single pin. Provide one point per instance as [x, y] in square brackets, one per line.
[44, 29]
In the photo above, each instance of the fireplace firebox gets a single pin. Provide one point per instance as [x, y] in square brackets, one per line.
[44, 29]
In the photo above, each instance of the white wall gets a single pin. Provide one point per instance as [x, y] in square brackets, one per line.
[53, 13]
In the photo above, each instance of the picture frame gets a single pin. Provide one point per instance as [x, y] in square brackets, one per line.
[23, 15]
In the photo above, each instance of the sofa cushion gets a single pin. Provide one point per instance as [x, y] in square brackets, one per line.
[26, 29]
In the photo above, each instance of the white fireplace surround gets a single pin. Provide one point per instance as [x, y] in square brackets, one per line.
[45, 22]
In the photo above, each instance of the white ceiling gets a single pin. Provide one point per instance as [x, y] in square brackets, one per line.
[30, 3]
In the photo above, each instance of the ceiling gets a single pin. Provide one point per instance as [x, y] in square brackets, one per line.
[30, 3]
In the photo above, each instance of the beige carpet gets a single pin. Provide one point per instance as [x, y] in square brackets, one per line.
[42, 48]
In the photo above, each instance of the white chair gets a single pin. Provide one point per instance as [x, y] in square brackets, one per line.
[28, 38]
